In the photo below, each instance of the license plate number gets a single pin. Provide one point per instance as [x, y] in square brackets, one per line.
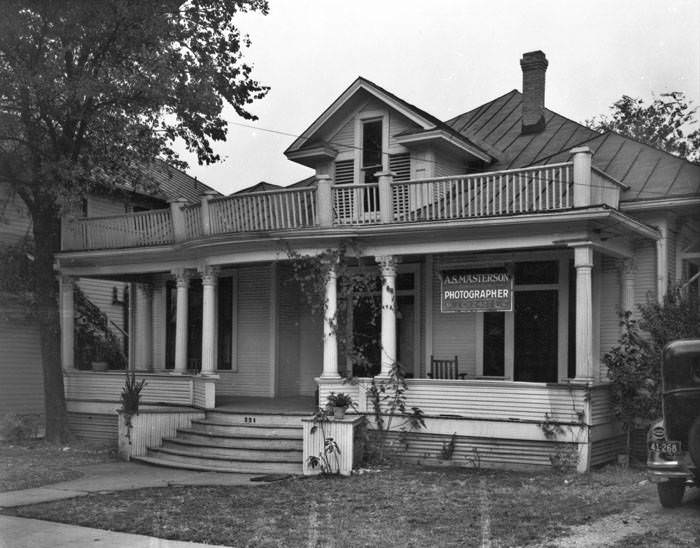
[670, 448]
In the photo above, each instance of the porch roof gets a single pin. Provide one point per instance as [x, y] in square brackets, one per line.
[604, 228]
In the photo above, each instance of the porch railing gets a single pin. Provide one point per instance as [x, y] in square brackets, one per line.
[539, 189]
[258, 211]
[144, 228]
[356, 204]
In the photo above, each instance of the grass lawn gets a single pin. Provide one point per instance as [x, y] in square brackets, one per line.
[34, 463]
[409, 506]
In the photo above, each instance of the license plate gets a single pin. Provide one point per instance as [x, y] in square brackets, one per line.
[670, 448]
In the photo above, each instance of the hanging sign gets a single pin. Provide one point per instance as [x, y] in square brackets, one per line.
[482, 290]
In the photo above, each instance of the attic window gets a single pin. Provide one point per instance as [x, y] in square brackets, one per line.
[371, 149]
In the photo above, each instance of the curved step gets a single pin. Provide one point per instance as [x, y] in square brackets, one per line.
[239, 440]
[263, 453]
[248, 430]
[193, 461]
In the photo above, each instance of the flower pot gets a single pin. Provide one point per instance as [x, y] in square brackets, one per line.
[339, 412]
[100, 366]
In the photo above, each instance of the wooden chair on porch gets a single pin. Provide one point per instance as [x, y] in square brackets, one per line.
[445, 369]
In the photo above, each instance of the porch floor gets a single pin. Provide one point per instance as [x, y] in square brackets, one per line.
[249, 404]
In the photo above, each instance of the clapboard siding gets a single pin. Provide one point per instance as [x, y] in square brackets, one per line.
[159, 324]
[105, 386]
[100, 293]
[253, 377]
[488, 400]
[288, 378]
[310, 349]
[94, 427]
[453, 334]
[21, 378]
[606, 450]
[473, 452]
[645, 271]
[445, 165]
[601, 412]
[609, 318]
[344, 140]
[104, 206]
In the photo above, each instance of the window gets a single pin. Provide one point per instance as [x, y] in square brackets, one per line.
[372, 150]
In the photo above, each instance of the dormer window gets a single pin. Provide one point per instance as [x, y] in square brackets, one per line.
[372, 149]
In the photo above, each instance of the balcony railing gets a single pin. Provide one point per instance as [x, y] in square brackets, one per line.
[538, 189]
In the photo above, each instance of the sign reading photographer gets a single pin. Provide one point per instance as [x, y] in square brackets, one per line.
[483, 290]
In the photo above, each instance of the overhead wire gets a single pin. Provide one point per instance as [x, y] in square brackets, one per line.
[646, 193]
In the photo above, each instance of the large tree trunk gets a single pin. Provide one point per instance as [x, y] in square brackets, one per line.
[47, 229]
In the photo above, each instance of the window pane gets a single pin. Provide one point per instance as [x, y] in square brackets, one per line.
[494, 344]
[372, 143]
[404, 281]
[540, 272]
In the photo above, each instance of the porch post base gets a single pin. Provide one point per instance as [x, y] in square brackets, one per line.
[204, 391]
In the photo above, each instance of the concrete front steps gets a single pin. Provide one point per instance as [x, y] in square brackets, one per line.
[235, 441]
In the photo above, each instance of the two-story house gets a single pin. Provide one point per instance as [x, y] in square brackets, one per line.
[507, 240]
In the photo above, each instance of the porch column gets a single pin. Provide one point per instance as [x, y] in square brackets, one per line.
[143, 327]
[67, 322]
[183, 284]
[582, 176]
[627, 279]
[208, 320]
[330, 339]
[386, 201]
[388, 359]
[583, 262]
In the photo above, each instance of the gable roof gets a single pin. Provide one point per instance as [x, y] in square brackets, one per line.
[426, 121]
[647, 171]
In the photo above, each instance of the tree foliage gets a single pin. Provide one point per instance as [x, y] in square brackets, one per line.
[634, 364]
[668, 123]
[91, 92]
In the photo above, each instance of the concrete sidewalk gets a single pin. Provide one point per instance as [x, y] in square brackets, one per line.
[119, 476]
[99, 478]
[34, 533]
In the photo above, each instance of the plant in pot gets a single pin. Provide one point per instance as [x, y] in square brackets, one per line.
[130, 399]
[339, 403]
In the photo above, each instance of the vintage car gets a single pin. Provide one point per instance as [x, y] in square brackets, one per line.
[673, 460]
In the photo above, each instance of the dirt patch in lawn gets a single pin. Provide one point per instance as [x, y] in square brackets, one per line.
[411, 506]
[28, 464]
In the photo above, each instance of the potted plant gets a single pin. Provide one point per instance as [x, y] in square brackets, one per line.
[339, 403]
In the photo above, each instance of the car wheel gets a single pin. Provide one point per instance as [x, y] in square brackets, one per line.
[694, 442]
[671, 493]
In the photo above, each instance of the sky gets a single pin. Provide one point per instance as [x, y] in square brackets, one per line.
[446, 57]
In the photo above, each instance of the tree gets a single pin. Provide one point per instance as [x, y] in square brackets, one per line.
[93, 91]
[668, 123]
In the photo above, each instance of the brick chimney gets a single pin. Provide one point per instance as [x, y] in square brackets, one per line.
[534, 66]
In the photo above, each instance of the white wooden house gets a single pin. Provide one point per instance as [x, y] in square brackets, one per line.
[509, 236]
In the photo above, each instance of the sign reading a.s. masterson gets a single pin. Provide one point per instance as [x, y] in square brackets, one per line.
[483, 290]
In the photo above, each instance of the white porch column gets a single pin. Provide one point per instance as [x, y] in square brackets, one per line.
[324, 200]
[388, 268]
[143, 327]
[208, 320]
[582, 176]
[67, 322]
[583, 262]
[330, 339]
[627, 279]
[386, 199]
[183, 284]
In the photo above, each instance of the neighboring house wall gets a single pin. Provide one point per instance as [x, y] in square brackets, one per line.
[15, 222]
[21, 379]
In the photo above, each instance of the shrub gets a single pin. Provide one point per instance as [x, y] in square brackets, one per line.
[634, 364]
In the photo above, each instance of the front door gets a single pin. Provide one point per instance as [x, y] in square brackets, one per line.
[535, 345]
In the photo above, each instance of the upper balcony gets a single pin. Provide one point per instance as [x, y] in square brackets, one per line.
[540, 189]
